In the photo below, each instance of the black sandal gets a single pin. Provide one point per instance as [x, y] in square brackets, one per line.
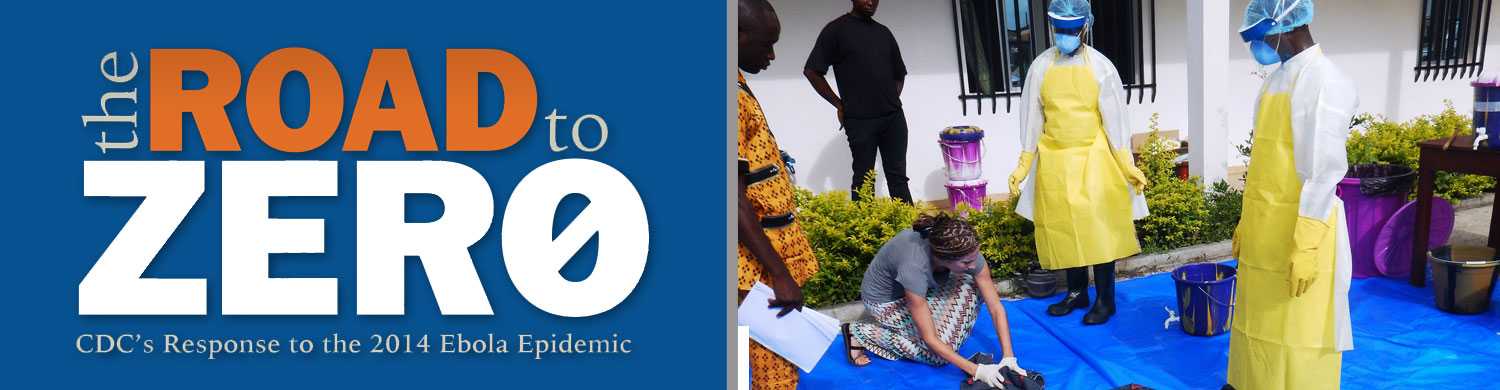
[849, 349]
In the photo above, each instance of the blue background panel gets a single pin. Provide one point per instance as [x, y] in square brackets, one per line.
[654, 71]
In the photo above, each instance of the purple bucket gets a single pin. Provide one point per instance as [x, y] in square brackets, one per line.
[962, 159]
[1368, 203]
[962, 152]
[970, 192]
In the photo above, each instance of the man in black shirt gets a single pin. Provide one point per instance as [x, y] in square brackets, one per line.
[870, 71]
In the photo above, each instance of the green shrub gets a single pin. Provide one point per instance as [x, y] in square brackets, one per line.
[1157, 158]
[1179, 212]
[1388, 142]
[1005, 238]
[845, 235]
[1224, 205]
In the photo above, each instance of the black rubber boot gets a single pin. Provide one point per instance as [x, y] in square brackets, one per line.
[1104, 304]
[1078, 293]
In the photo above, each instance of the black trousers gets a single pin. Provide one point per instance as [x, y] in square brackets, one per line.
[887, 136]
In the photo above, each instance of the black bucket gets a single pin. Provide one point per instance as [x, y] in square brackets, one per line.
[1040, 283]
[1463, 277]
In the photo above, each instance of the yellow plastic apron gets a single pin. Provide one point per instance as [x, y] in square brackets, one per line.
[1280, 342]
[1083, 206]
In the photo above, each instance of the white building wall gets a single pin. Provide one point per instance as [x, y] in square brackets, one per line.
[1374, 41]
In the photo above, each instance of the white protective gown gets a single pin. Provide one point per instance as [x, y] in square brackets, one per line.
[1323, 103]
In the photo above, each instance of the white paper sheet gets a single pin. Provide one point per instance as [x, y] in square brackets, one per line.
[801, 336]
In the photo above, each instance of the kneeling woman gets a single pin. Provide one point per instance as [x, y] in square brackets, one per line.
[923, 290]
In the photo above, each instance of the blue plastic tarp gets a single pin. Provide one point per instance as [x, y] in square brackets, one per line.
[1401, 340]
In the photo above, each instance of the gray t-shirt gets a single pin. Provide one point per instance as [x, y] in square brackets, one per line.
[903, 264]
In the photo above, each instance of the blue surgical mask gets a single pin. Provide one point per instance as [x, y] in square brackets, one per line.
[1264, 53]
[1067, 43]
[1255, 34]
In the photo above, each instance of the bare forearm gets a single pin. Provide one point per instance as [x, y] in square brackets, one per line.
[820, 84]
[998, 318]
[1002, 327]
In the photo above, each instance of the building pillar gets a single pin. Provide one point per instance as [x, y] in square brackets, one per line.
[1208, 85]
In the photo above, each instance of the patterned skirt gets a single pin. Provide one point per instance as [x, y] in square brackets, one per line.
[893, 335]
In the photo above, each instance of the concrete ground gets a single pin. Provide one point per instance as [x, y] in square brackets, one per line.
[1471, 225]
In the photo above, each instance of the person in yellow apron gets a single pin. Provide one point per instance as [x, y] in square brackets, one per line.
[1291, 320]
[1085, 190]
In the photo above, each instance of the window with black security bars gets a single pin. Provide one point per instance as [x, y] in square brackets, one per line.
[1125, 31]
[1452, 39]
[996, 41]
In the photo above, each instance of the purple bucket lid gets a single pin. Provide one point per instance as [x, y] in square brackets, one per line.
[1393, 243]
[961, 133]
[1485, 84]
[1487, 80]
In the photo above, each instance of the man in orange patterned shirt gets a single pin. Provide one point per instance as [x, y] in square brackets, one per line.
[772, 248]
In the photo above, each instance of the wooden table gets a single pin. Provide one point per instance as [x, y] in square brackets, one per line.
[1458, 159]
